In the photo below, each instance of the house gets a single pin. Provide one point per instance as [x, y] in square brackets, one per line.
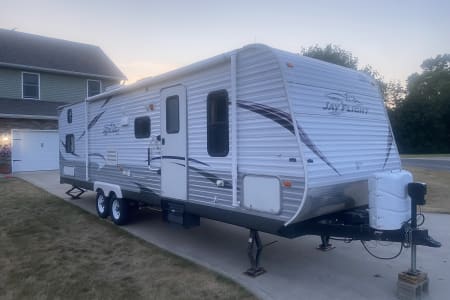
[38, 74]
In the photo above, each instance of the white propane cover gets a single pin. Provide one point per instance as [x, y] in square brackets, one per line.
[389, 202]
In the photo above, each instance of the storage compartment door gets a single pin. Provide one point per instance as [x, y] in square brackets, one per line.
[262, 193]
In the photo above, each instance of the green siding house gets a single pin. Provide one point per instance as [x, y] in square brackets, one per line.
[38, 74]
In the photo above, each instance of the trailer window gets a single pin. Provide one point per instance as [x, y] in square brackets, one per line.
[172, 114]
[142, 127]
[69, 115]
[217, 127]
[70, 143]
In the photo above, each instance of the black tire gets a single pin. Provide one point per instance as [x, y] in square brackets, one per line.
[102, 205]
[119, 210]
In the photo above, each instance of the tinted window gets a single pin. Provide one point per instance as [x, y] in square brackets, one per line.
[94, 87]
[217, 123]
[172, 114]
[69, 115]
[30, 85]
[142, 127]
[70, 143]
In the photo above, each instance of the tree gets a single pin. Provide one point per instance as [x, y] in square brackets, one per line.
[393, 92]
[421, 122]
[332, 54]
[440, 63]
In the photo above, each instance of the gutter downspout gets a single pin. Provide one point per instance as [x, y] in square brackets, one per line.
[234, 172]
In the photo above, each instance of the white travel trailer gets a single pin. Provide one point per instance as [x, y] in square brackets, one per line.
[256, 137]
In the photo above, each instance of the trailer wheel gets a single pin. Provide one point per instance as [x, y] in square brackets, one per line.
[119, 210]
[102, 204]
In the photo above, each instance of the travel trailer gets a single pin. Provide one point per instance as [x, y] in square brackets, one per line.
[257, 137]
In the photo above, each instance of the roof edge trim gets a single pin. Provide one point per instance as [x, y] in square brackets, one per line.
[19, 116]
[218, 59]
[50, 70]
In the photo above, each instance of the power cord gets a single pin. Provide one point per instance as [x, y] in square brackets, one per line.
[379, 257]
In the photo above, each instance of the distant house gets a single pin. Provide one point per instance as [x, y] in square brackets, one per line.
[38, 74]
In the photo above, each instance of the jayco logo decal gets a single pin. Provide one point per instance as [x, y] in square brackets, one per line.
[340, 103]
[111, 128]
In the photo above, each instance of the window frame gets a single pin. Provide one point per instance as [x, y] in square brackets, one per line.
[178, 114]
[38, 86]
[149, 127]
[72, 136]
[209, 124]
[69, 116]
[87, 87]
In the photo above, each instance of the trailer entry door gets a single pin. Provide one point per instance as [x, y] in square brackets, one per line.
[173, 143]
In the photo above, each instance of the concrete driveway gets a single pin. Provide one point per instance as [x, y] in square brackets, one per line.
[295, 269]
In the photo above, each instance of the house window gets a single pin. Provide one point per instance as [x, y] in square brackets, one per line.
[94, 87]
[173, 114]
[30, 85]
[70, 143]
[142, 127]
[217, 123]
[69, 115]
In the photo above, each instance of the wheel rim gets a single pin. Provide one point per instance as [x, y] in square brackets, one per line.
[116, 209]
[101, 204]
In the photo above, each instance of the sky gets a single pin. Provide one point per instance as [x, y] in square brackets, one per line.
[146, 37]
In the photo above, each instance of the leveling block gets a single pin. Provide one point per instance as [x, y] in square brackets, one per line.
[411, 286]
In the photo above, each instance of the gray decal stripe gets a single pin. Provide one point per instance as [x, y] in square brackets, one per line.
[106, 101]
[143, 189]
[92, 123]
[285, 120]
[309, 143]
[98, 155]
[269, 113]
[390, 140]
[95, 120]
[179, 158]
[211, 177]
[79, 138]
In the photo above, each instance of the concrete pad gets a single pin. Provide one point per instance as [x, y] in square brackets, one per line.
[295, 268]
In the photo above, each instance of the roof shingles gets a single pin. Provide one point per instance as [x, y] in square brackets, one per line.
[29, 108]
[17, 48]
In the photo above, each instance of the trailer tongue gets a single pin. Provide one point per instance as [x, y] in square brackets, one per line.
[353, 225]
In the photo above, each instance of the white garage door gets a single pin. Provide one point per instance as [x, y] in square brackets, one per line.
[34, 150]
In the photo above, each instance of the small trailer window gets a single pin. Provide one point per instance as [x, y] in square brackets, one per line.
[69, 115]
[217, 127]
[172, 114]
[70, 143]
[142, 127]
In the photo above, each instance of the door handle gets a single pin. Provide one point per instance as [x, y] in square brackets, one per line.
[149, 154]
[159, 138]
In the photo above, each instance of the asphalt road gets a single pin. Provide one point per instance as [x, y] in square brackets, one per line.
[296, 270]
[428, 163]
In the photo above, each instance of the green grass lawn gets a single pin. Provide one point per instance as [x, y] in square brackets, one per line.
[423, 155]
[50, 249]
[438, 188]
